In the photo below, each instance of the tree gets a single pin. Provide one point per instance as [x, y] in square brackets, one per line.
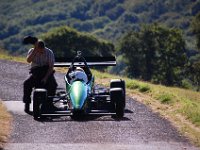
[155, 53]
[196, 29]
[194, 66]
[66, 41]
[194, 73]
[171, 58]
[130, 46]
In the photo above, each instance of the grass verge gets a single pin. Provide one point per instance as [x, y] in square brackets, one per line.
[5, 125]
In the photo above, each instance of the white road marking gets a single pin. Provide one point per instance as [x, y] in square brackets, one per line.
[16, 107]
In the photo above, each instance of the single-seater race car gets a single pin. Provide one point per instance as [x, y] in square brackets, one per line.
[81, 95]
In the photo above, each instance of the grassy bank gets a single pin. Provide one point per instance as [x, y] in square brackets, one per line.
[5, 124]
[180, 106]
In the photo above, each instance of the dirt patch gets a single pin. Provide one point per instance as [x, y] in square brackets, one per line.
[5, 125]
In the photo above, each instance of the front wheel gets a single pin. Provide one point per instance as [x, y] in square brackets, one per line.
[39, 96]
[117, 98]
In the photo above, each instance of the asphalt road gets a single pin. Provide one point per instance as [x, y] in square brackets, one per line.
[140, 129]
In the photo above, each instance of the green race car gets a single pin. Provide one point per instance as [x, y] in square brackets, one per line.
[81, 95]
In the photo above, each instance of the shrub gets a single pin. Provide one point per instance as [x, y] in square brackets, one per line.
[132, 85]
[186, 84]
[144, 88]
[165, 98]
[192, 111]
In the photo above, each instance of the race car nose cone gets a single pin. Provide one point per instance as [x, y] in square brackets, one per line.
[78, 94]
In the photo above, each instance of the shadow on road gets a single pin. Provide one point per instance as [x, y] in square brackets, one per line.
[85, 119]
[82, 118]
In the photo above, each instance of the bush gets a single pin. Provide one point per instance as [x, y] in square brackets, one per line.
[186, 84]
[132, 85]
[165, 98]
[144, 88]
[192, 111]
[65, 41]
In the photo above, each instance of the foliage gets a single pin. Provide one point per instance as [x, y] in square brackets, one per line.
[132, 85]
[194, 73]
[186, 84]
[65, 41]
[107, 19]
[192, 111]
[144, 88]
[193, 70]
[155, 53]
[165, 98]
[196, 28]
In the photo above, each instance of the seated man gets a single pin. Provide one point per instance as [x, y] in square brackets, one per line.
[42, 73]
[78, 74]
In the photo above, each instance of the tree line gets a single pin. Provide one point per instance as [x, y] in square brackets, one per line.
[158, 54]
[154, 53]
[107, 19]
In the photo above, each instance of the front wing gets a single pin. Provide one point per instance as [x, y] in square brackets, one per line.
[96, 105]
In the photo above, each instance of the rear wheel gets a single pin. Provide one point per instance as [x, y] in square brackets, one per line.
[117, 98]
[119, 83]
[39, 96]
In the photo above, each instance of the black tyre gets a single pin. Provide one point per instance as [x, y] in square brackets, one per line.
[39, 96]
[117, 98]
[119, 83]
[77, 115]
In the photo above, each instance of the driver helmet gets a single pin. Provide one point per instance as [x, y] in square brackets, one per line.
[79, 74]
[79, 69]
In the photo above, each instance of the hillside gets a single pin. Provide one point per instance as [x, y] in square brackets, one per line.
[107, 19]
